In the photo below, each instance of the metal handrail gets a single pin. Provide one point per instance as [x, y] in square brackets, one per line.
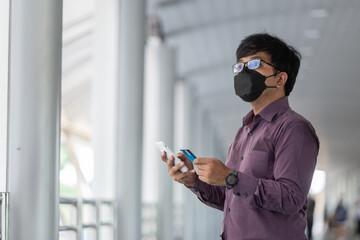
[4, 215]
[67, 228]
[89, 201]
[95, 226]
[78, 204]
[71, 201]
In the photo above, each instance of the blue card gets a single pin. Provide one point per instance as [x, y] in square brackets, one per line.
[188, 154]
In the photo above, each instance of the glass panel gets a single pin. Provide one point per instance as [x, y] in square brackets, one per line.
[68, 215]
[89, 234]
[68, 235]
[89, 214]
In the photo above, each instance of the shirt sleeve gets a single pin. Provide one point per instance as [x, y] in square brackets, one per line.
[296, 151]
[213, 196]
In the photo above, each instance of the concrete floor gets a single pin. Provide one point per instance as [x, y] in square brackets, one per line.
[330, 235]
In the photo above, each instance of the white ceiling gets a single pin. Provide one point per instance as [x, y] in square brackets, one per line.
[206, 34]
[77, 65]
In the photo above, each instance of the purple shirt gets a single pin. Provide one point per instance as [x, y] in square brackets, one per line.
[275, 155]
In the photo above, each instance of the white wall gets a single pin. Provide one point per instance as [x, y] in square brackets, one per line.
[4, 63]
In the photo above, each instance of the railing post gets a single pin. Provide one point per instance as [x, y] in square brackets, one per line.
[79, 221]
[98, 218]
[115, 219]
[97, 225]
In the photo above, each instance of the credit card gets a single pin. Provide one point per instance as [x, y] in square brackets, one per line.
[188, 154]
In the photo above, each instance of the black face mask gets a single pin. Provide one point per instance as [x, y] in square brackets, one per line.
[249, 84]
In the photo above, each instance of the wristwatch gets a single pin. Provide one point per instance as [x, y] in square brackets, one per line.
[231, 179]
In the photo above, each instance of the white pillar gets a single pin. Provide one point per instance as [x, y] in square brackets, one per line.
[106, 60]
[34, 121]
[104, 101]
[158, 126]
[186, 119]
[206, 143]
[4, 85]
[199, 133]
[213, 215]
[129, 118]
[166, 203]
[182, 132]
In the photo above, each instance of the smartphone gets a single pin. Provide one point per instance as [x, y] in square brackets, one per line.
[188, 154]
[164, 148]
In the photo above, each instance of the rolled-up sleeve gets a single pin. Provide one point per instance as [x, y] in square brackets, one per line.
[296, 150]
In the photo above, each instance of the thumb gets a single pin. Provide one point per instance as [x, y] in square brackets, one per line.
[187, 162]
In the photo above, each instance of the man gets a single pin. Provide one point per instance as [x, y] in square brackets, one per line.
[263, 186]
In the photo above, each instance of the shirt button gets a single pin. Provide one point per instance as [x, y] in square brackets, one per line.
[228, 209]
[250, 133]
[241, 158]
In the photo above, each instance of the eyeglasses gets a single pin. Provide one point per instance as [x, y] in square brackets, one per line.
[252, 64]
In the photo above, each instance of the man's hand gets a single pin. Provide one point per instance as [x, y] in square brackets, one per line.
[212, 171]
[187, 178]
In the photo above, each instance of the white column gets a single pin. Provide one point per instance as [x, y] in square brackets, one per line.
[129, 118]
[34, 118]
[180, 135]
[186, 117]
[158, 125]
[104, 101]
[207, 138]
[4, 84]
[199, 133]
[106, 60]
[214, 216]
[166, 203]
[182, 132]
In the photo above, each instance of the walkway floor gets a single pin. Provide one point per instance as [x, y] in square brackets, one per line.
[328, 235]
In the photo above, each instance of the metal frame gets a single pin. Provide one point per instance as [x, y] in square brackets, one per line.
[4, 216]
[80, 226]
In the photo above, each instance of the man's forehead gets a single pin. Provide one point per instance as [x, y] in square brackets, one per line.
[258, 55]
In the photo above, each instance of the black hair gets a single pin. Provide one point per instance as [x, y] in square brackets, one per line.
[286, 58]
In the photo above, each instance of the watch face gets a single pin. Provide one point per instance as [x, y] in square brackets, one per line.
[231, 179]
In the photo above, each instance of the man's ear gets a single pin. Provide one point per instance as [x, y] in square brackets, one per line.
[282, 79]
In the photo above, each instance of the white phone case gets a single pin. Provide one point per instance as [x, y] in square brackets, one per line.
[163, 148]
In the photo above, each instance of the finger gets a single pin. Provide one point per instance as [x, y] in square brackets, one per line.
[200, 161]
[187, 162]
[176, 168]
[201, 167]
[163, 156]
[186, 175]
[170, 162]
[182, 157]
[201, 172]
[204, 179]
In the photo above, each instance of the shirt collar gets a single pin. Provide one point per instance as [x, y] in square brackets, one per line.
[270, 111]
[277, 107]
